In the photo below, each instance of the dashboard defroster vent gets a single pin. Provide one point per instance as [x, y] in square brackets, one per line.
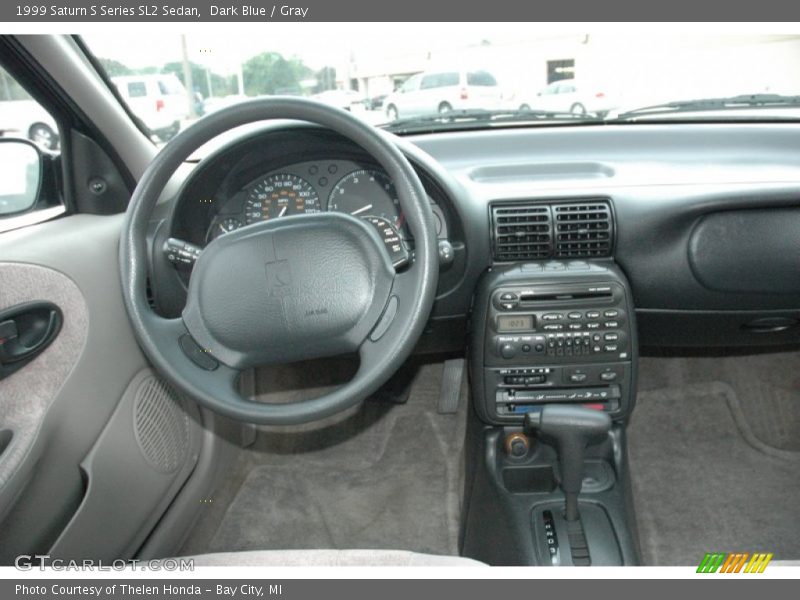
[522, 232]
[540, 230]
[582, 230]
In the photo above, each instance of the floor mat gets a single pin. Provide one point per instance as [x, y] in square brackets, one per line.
[703, 481]
[767, 387]
[383, 476]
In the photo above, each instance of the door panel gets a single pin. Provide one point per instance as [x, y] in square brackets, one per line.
[58, 404]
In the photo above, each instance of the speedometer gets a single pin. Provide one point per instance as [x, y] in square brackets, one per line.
[280, 195]
[367, 193]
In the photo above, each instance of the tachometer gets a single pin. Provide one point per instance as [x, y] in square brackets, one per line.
[280, 195]
[367, 193]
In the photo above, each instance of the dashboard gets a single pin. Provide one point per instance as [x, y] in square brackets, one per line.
[700, 218]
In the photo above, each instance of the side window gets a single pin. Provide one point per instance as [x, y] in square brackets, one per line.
[550, 89]
[448, 79]
[29, 142]
[481, 78]
[137, 89]
[430, 81]
[411, 84]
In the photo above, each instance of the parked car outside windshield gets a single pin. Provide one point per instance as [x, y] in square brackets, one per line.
[160, 101]
[443, 91]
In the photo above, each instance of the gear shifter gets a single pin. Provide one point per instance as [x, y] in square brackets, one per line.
[571, 429]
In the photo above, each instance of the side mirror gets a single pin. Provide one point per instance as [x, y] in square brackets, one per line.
[20, 175]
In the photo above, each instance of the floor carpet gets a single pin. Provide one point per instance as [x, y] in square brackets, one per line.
[710, 471]
[384, 475]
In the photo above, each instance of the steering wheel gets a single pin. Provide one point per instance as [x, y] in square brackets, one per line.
[284, 290]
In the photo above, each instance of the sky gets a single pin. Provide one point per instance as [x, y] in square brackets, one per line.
[318, 44]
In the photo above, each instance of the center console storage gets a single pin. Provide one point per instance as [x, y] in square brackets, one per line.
[553, 359]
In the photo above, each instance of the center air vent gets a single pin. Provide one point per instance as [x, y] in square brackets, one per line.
[522, 232]
[582, 230]
[564, 230]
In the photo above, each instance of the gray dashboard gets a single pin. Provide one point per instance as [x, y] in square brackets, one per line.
[705, 215]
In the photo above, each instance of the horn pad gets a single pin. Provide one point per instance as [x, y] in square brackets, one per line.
[290, 289]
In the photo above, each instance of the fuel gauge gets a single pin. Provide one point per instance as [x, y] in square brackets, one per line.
[221, 227]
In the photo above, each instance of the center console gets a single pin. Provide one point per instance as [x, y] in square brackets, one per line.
[552, 353]
[552, 332]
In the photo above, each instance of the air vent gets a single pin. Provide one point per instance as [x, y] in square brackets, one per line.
[582, 230]
[575, 229]
[522, 232]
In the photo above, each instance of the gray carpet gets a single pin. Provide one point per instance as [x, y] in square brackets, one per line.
[706, 478]
[766, 385]
[383, 475]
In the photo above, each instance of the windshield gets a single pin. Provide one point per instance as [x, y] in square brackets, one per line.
[478, 75]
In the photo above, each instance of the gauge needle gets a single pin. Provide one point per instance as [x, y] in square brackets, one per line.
[362, 209]
[221, 226]
[283, 211]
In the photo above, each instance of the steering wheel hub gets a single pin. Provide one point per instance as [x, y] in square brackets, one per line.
[290, 289]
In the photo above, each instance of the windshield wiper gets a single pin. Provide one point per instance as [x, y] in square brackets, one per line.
[462, 118]
[712, 104]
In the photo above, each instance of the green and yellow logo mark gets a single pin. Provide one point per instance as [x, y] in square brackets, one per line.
[735, 562]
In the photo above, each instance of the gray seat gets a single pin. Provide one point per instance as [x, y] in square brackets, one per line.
[324, 558]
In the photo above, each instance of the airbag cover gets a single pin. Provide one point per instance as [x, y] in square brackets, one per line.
[289, 289]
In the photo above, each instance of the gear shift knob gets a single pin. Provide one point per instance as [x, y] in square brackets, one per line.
[571, 429]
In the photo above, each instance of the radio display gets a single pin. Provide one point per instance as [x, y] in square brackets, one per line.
[506, 323]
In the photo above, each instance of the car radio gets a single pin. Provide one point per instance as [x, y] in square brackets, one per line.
[552, 332]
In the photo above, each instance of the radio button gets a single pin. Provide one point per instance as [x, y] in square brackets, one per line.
[508, 305]
[574, 316]
[611, 347]
[611, 314]
[553, 327]
[611, 337]
[593, 314]
[511, 297]
[611, 324]
[592, 325]
[552, 317]
[508, 350]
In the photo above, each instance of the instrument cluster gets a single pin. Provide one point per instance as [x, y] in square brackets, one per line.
[316, 186]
